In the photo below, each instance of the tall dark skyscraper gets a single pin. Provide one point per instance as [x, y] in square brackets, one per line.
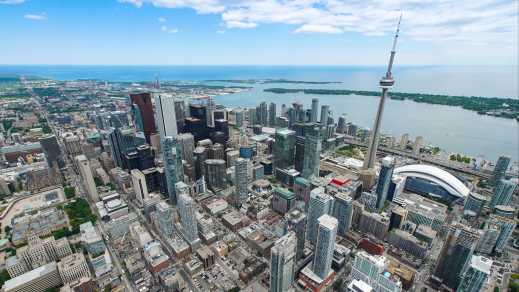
[53, 154]
[284, 148]
[384, 180]
[456, 254]
[143, 102]
[312, 153]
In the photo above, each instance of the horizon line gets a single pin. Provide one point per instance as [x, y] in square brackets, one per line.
[268, 65]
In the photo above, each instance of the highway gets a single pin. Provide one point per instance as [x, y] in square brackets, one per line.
[422, 158]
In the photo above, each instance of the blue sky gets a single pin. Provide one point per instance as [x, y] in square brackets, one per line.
[331, 32]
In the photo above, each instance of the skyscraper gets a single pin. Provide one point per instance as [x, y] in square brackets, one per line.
[53, 154]
[166, 120]
[384, 180]
[506, 228]
[296, 220]
[187, 211]
[214, 172]
[341, 124]
[164, 218]
[385, 83]
[299, 153]
[503, 192]
[187, 145]
[172, 166]
[312, 157]
[86, 175]
[476, 274]
[325, 110]
[320, 204]
[263, 113]
[139, 186]
[210, 112]
[272, 115]
[343, 211]
[456, 254]
[315, 108]
[372, 269]
[500, 169]
[284, 148]
[282, 263]
[326, 234]
[240, 168]
[144, 115]
[302, 188]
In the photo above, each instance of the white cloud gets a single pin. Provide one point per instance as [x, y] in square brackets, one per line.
[201, 6]
[467, 21]
[167, 29]
[220, 31]
[162, 19]
[11, 2]
[318, 28]
[240, 24]
[35, 16]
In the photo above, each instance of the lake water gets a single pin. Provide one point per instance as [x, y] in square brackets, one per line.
[451, 128]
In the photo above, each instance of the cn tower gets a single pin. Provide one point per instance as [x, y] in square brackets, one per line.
[385, 83]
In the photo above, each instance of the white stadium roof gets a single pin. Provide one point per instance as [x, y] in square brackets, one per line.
[434, 174]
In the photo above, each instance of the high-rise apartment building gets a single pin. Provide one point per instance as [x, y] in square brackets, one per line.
[476, 274]
[282, 263]
[296, 220]
[272, 115]
[172, 166]
[326, 234]
[214, 172]
[325, 111]
[315, 108]
[500, 169]
[343, 211]
[503, 192]
[320, 204]
[187, 211]
[242, 180]
[372, 269]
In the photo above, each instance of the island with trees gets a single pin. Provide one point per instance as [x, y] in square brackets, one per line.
[492, 106]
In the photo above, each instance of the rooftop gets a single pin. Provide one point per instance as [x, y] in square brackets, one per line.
[30, 276]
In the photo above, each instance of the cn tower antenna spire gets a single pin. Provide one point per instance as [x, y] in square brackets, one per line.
[393, 49]
[385, 83]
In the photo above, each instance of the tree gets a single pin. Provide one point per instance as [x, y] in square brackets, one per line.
[4, 277]
[338, 284]
[70, 192]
